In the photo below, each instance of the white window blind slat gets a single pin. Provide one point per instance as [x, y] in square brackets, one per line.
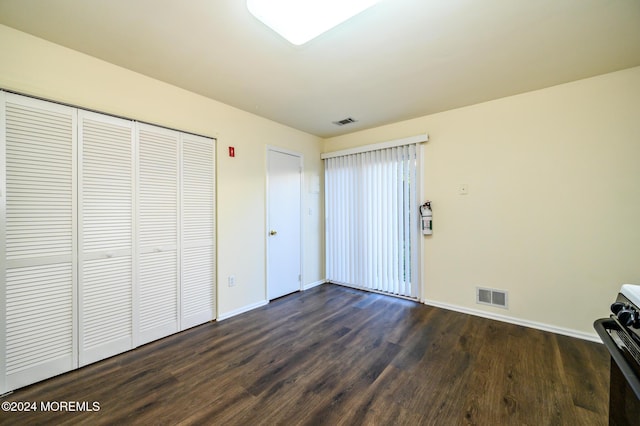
[412, 162]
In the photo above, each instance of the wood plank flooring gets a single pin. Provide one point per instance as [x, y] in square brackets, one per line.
[337, 356]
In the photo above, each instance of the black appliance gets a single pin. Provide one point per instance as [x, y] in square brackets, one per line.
[620, 333]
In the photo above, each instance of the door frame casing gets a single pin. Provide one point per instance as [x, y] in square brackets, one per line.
[300, 156]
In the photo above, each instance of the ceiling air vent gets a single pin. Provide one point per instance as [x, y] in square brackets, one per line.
[344, 121]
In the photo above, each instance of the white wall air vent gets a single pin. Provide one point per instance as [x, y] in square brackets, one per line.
[344, 121]
[493, 297]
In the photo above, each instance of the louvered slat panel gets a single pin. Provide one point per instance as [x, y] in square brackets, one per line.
[158, 302]
[198, 285]
[158, 194]
[39, 269]
[198, 189]
[39, 177]
[107, 301]
[157, 233]
[198, 231]
[106, 237]
[39, 315]
[107, 204]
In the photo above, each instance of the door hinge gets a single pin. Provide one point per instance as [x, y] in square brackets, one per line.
[300, 278]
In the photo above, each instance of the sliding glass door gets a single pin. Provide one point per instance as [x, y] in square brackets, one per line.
[372, 220]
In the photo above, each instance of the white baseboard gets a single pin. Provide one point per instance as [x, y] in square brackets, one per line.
[242, 310]
[593, 337]
[253, 306]
[314, 284]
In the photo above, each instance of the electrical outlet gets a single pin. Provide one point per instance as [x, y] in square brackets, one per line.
[232, 280]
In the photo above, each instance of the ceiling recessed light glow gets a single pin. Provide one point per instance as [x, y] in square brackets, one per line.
[302, 20]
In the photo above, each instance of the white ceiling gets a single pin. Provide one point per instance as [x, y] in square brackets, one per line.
[398, 60]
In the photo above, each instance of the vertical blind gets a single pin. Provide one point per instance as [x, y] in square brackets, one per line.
[372, 220]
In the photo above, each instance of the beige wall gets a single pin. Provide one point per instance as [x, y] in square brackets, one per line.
[554, 196]
[553, 209]
[35, 67]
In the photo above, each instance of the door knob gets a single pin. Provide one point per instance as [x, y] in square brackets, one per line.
[272, 232]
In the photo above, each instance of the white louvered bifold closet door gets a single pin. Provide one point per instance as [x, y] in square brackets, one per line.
[158, 273]
[106, 236]
[38, 334]
[198, 231]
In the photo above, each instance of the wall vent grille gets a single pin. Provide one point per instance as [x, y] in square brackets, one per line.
[493, 297]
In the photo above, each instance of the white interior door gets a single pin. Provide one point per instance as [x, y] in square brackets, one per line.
[284, 223]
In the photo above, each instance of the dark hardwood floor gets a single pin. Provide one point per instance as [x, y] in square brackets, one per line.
[337, 356]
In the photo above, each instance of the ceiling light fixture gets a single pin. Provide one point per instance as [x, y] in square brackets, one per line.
[299, 21]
